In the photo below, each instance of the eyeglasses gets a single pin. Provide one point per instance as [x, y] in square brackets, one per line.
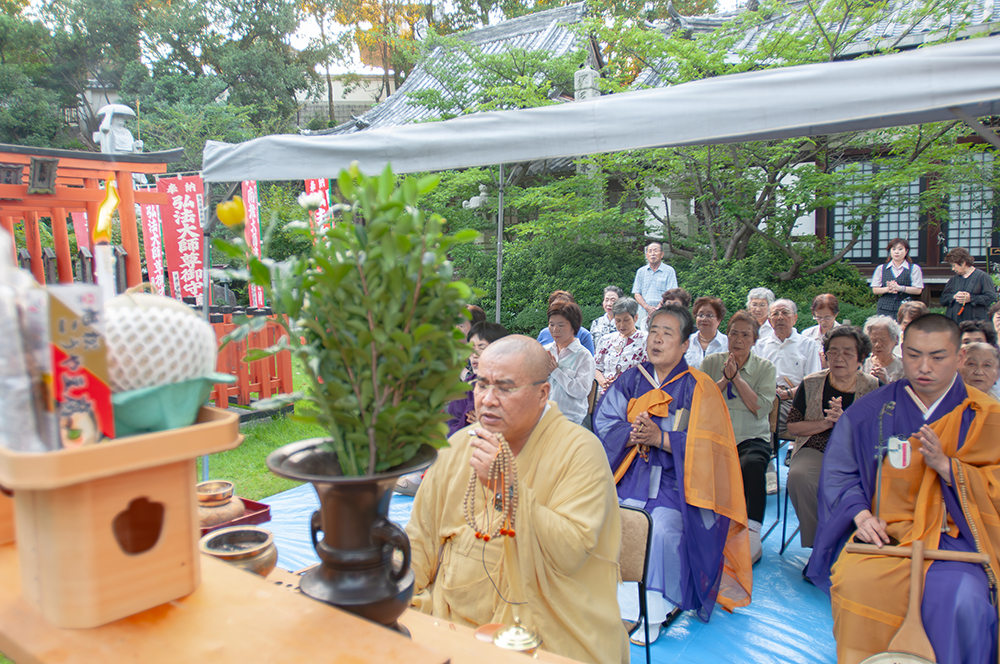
[846, 354]
[783, 313]
[824, 319]
[482, 387]
[703, 316]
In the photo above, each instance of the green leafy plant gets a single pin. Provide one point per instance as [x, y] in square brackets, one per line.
[371, 308]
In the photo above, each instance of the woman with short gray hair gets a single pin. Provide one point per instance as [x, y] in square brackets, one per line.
[605, 324]
[759, 301]
[885, 335]
[622, 349]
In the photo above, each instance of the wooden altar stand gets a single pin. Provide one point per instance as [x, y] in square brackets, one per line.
[235, 617]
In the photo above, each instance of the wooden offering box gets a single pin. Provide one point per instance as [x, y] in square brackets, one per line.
[6, 519]
[109, 530]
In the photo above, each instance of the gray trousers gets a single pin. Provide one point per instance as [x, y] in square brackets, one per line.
[803, 489]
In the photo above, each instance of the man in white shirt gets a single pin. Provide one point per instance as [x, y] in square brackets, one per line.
[651, 281]
[794, 356]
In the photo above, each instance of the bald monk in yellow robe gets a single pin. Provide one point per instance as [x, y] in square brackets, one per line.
[560, 569]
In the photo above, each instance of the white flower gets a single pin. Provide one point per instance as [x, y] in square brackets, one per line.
[313, 201]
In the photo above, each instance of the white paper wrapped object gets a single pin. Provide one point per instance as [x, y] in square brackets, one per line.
[155, 340]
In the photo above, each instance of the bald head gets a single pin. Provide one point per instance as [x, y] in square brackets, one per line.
[521, 354]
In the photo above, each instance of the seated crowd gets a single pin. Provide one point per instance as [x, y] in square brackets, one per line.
[647, 385]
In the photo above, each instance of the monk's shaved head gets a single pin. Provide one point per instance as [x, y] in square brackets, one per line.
[522, 353]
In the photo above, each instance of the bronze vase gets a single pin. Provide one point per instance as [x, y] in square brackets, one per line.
[357, 572]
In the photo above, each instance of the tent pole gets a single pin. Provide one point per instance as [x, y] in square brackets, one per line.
[499, 245]
[206, 265]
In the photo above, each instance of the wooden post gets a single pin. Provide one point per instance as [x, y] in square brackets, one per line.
[92, 208]
[34, 242]
[8, 224]
[61, 236]
[130, 236]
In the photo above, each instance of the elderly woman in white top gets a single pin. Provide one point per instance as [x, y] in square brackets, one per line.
[824, 308]
[571, 366]
[706, 339]
[605, 324]
[759, 301]
[622, 349]
[885, 335]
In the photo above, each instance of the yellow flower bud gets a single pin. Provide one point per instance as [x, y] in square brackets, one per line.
[231, 213]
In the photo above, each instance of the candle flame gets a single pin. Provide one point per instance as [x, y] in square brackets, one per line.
[102, 227]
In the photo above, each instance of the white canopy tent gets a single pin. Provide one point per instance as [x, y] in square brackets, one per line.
[927, 85]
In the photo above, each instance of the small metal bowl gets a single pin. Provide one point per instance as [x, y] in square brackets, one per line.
[214, 491]
[249, 547]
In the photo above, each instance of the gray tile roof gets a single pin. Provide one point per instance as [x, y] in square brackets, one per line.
[541, 31]
[882, 34]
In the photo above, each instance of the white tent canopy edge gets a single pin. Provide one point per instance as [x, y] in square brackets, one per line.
[931, 84]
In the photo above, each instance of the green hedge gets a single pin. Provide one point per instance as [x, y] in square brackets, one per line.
[534, 268]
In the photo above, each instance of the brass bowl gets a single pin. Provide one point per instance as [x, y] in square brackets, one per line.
[214, 491]
[248, 547]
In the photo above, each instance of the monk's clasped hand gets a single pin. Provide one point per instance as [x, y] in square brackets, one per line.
[485, 446]
[934, 456]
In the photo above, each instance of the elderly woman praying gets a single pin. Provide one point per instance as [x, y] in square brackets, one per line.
[818, 403]
[885, 335]
[571, 366]
[622, 349]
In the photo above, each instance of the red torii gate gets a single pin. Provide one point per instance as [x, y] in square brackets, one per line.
[77, 189]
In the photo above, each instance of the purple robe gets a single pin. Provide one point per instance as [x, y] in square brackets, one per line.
[697, 560]
[958, 616]
[460, 407]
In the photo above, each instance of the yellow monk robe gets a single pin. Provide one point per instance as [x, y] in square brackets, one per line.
[869, 593]
[562, 562]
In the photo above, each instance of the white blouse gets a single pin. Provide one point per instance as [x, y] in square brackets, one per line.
[572, 380]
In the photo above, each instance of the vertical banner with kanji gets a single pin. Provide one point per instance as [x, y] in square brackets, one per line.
[81, 229]
[251, 231]
[319, 220]
[149, 213]
[182, 235]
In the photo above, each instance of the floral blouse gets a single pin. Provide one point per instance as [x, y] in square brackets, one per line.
[601, 327]
[616, 354]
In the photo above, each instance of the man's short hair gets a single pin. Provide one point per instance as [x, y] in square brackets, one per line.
[568, 310]
[931, 323]
[613, 289]
[983, 326]
[681, 314]
[891, 326]
[478, 315]
[746, 317]
[788, 303]
[625, 305]
[561, 295]
[980, 347]
[488, 332]
[911, 309]
[760, 294]
[861, 341]
[959, 256]
[656, 242]
[828, 300]
[678, 294]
